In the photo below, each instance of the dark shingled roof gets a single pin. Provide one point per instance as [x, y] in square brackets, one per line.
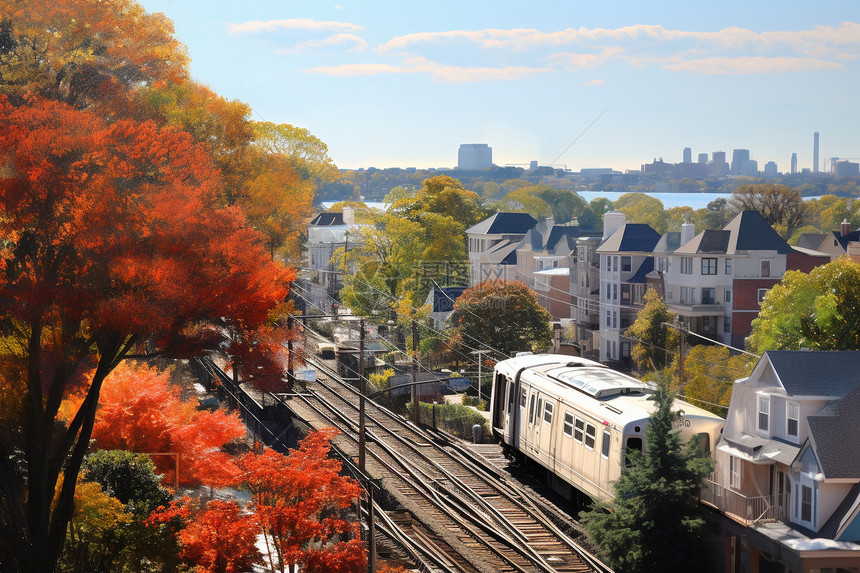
[845, 239]
[668, 243]
[707, 242]
[816, 373]
[328, 219]
[646, 267]
[504, 224]
[832, 434]
[632, 237]
[750, 232]
[444, 297]
[810, 240]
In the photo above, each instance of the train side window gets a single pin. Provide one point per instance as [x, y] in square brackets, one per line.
[578, 430]
[605, 446]
[632, 444]
[568, 424]
[590, 435]
[523, 398]
[532, 409]
[547, 413]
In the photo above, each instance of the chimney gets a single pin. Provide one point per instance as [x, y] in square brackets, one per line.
[845, 227]
[348, 216]
[612, 221]
[688, 231]
[550, 223]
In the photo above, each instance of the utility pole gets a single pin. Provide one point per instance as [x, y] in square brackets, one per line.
[416, 415]
[480, 354]
[291, 377]
[682, 334]
[362, 450]
[362, 391]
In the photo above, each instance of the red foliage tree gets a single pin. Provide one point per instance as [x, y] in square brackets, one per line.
[221, 539]
[111, 243]
[140, 411]
[299, 501]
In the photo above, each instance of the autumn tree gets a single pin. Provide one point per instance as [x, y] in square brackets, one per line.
[300, 501]
[141, 411]
[819, 310]
[501, 314]
[710, 373]
[655, 341]
[781, 206]
[642, 208]
[113, 244]
[654, 524]
[221, 539]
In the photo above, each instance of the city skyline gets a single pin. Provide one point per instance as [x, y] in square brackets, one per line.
[394, 85]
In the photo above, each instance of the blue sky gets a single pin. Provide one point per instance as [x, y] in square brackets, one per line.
[403, 84]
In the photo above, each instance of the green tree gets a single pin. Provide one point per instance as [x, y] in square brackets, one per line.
[655, 342]
[781, 206]
[642, 208]
[654, 524]
[819, 310]
[504, 315]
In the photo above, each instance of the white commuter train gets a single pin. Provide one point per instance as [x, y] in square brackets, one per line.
[577, 418]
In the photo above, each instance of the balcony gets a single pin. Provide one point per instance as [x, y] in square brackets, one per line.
[746, 510]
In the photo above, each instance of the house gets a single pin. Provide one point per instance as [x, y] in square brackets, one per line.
[441, 301]
[492, 246]
[626, 257]
[584, 287]
[836, 243]
[715, 282]
[786, 490]
[328, 232]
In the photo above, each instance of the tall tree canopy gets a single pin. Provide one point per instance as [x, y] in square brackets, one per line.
[113, 242]
[655, 342]
[504, 315]
[819, 310]
[780, 205]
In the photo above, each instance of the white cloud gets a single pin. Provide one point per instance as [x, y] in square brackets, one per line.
[750, 65]
[576, 61]
[306, 24]
[439, 72]
[349, 41]
[590, 83]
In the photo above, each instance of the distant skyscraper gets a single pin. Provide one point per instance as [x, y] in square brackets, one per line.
[474, 156]
[815, 152]
[719, 165]
[688, 155]
[770, 169]
[739, 157]
[793, 163]
[703, 158]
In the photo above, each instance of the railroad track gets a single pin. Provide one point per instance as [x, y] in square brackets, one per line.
[463, 514]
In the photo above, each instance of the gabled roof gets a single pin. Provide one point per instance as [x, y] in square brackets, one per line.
[811, 240]
[843, 240]
[504, 224]
[442, 298]
[828, 430]
[560, 232]
[813, 373]
[631, 237]
[750, 232]
[327, 220]
[707, 242]
[503, 252]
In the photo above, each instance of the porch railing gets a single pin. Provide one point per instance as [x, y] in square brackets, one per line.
[747, 510]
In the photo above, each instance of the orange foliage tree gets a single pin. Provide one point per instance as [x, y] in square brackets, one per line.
[113, 243]
[299, 501]
[221, 539]
[140, 411]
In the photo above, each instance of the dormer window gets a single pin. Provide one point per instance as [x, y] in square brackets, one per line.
[764, 413]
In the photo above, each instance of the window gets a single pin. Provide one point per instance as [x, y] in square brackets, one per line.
[625, 294]
[615, 291]
[728, 266]
[608, 319]
[615, 263]
[632, 444]
[728, 295]
[608, 291]
[761, 293]
[539, 410]
[590, 436]
[709, 296]
[625, 264]
[605, 446]
[614, 319]
[523, 398]
[578, 429]
[727, 324]
[806, 504]
[568, 424]
[734, 472]
[792, 415]
[763, 413]
[547, 413]
[709, 266]
[765, 268]
[532, 409]
[625, 349]
[540, 265]
[686, 265]
[625, 319]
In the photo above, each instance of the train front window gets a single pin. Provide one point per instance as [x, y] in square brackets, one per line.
[632, 444]
[705, 442]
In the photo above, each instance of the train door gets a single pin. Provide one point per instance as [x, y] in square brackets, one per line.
[604, 464]
[547, 436]
[498, 398]
[512, 415]
[537, 423]
[528, 440]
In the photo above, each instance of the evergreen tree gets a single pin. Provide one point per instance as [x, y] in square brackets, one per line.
[653, 524]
